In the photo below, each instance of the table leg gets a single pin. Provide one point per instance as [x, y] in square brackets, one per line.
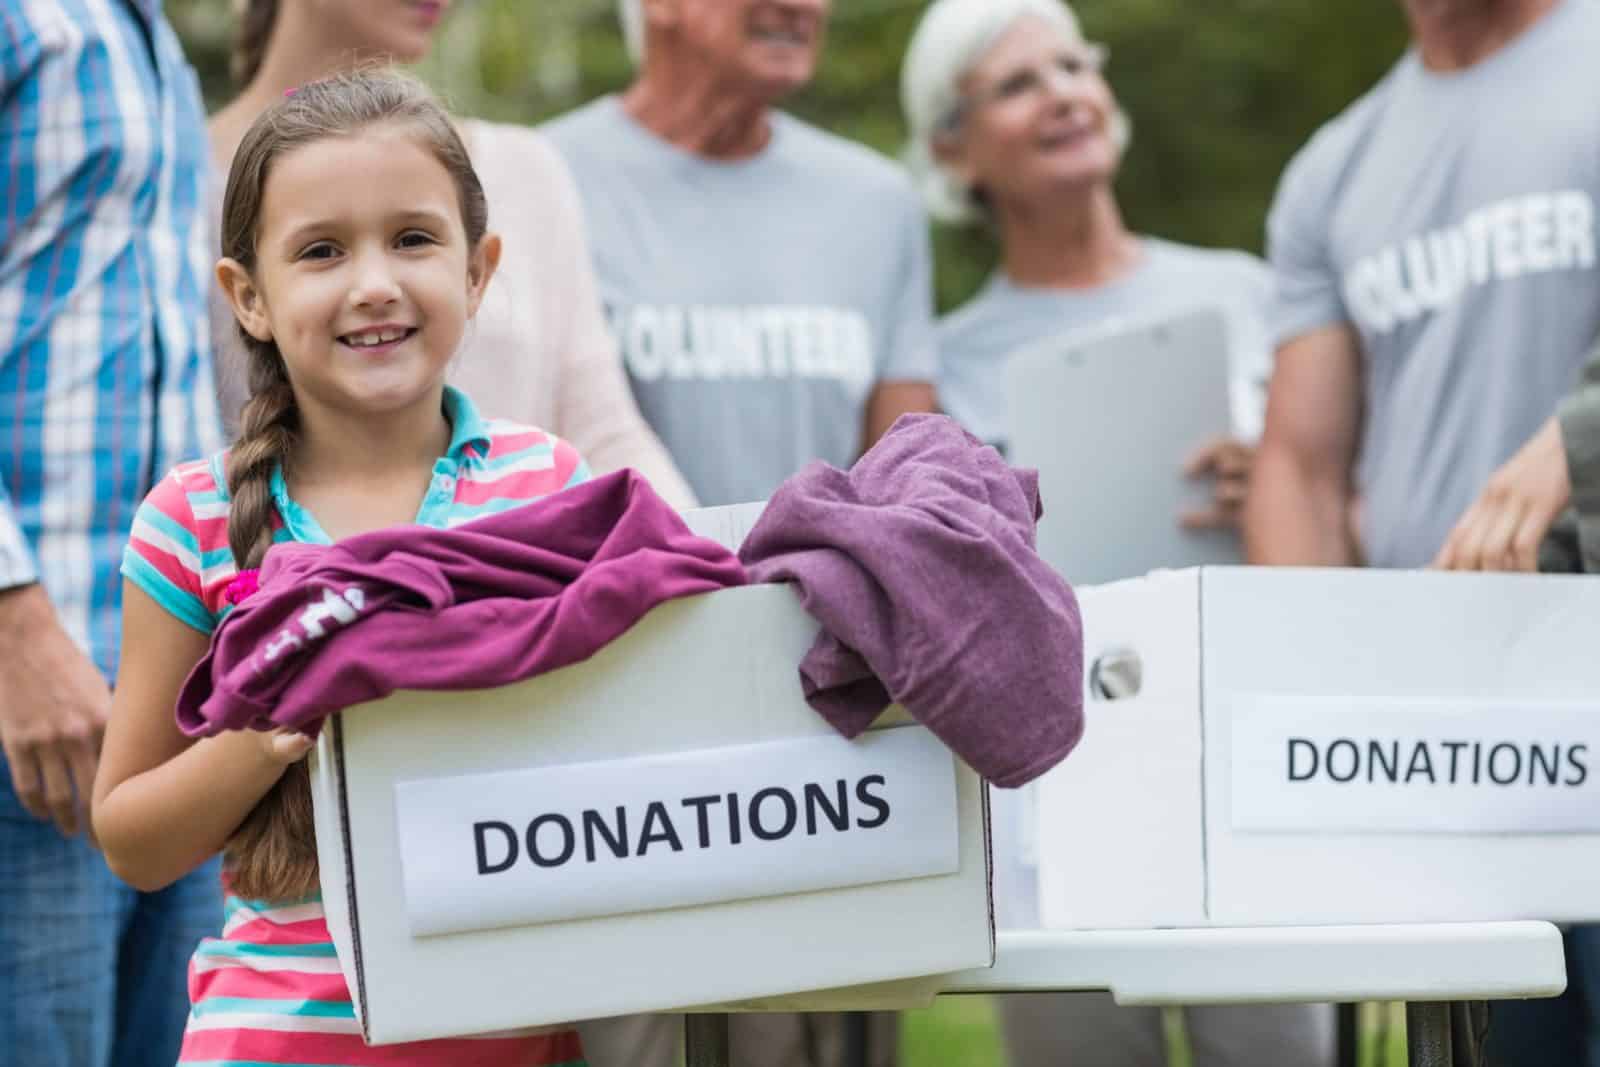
[1348, 1042]
[705, 1040]
[1428, 1034]
[857, 1040]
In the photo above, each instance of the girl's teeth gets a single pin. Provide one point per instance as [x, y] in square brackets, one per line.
[381, 337]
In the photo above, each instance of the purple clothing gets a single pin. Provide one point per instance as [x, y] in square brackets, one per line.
[491, 602]
[919, 563]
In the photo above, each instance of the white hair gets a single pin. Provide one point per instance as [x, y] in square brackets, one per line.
[631, 14]
[952, 36]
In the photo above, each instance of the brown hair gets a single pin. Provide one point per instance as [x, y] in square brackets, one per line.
[256, 19]
[272, 855]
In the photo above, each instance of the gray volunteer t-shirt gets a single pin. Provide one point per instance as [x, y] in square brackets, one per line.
[976, 339]
[1450, 219]
[756, 302]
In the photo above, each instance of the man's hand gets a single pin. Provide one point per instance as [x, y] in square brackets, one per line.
[53, 710]
[1501, 531]
[1227, 462]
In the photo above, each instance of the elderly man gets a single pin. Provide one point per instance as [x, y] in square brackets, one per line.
[769, 283]
[770, 287]
[1435, 252]
[106, 373]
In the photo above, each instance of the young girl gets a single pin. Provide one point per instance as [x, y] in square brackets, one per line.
[356, 249]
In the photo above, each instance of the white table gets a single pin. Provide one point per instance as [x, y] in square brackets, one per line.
[1426, 965]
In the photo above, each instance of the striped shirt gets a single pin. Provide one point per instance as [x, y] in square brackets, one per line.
[105, 360]
[269, 991]
[178, 552]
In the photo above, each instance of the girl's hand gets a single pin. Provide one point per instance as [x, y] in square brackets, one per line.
[286, 745]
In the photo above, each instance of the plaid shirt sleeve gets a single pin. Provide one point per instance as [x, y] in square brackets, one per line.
[105, 258]
[19, 52]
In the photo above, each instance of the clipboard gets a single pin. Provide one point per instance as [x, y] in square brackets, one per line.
[1108, 418]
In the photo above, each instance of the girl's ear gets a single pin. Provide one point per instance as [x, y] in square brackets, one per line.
[249, 306]
[481, 266]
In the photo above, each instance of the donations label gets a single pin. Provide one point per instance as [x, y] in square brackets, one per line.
[575, 841]
[1406, 766]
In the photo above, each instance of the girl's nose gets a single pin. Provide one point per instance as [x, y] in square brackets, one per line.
[375, 283]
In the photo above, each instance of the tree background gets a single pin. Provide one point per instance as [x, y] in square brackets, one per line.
[1221, 92]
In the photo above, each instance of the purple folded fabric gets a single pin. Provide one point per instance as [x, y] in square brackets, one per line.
[495, 601]
[919, 562]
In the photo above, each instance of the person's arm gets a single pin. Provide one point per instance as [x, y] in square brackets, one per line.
[53, 700]
[53, 709]
[1297, 510]
[1504, 527]
[1557, 467]
[910, 359]
[164, 804]
[890, 400]
[595, 408]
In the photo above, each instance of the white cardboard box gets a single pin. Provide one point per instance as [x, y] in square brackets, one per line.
[1268, 770]
[442, 931]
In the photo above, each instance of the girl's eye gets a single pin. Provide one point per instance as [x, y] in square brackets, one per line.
[414, 239]
[320, 250]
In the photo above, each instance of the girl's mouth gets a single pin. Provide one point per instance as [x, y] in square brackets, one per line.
[377, 340]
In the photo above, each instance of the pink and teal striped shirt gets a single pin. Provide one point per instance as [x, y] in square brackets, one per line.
[178, 552]
[269, 990]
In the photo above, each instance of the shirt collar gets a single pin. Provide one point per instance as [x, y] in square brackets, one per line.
[467, 427]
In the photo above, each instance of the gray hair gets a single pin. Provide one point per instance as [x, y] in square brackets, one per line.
[952, 36]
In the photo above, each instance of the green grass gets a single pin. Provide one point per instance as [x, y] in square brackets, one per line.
[962, 1032]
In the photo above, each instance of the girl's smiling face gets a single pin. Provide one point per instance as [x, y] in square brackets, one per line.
[363, 276]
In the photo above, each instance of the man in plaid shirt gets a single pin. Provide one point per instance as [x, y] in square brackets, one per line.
[105, 383]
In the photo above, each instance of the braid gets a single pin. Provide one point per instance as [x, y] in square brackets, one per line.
[273, 853]
[266, 439]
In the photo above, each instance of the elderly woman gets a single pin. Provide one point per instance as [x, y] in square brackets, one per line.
[1012, 126]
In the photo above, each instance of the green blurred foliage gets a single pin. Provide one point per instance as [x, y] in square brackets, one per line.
[1221, 92]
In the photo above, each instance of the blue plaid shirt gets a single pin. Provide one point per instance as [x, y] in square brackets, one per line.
[105, 361]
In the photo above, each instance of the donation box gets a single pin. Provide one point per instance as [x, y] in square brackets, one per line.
[666, 825]
[1270, 746]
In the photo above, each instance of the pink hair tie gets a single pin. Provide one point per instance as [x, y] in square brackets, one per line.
[244, 584]
[290, 92]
